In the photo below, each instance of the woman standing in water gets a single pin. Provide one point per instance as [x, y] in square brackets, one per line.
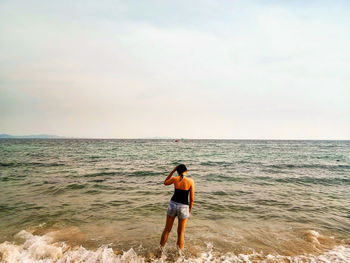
[179, 205]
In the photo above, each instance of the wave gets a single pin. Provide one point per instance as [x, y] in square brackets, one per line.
[76, 186]
[101, 174]
[303, 180]
[44, 249]
[216, 163]
[115, 173]
[41, 164]
[145, 173]
[309, 166]
[314, 180]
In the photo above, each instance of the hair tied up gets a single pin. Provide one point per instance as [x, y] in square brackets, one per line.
[181, 168]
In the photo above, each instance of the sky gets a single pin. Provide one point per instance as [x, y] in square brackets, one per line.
[231, 69]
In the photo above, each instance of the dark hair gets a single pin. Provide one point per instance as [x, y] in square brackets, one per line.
[180, 169]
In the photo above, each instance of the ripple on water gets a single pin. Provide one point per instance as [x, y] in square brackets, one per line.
[97, 180]
[39, 164]
[145, 173]
[76, 186]
[100, 174]
[308, 180]
[104, 187]
[93, 192]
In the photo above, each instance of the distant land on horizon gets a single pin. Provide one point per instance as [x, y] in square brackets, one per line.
[34, 136]
[48, 136]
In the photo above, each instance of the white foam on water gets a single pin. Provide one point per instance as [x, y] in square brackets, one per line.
[43, 249]
[338, 254]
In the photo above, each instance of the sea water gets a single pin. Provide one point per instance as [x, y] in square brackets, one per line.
[81, 200]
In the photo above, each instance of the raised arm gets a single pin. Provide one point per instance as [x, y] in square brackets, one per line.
[191, 196]
[169, 179]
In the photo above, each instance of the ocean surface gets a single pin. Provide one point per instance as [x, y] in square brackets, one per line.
[81, 200]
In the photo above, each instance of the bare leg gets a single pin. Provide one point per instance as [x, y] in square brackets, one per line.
[168, 225]
[181, 232]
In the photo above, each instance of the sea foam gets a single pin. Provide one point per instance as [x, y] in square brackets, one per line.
[43, 249]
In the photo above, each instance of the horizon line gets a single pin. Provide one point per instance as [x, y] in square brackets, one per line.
[156, 138]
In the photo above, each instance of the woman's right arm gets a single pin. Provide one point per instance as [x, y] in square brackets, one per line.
[191, 196]
[169, 179]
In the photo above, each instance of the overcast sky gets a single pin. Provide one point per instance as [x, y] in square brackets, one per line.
[264, 69]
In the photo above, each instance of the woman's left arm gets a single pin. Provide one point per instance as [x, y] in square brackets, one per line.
[169, 179]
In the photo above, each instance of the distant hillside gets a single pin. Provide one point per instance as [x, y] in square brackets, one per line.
[35, 136]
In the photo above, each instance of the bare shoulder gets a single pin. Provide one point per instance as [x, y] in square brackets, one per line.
[191, 180]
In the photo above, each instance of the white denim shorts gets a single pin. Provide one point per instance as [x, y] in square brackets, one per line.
[178, 209]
